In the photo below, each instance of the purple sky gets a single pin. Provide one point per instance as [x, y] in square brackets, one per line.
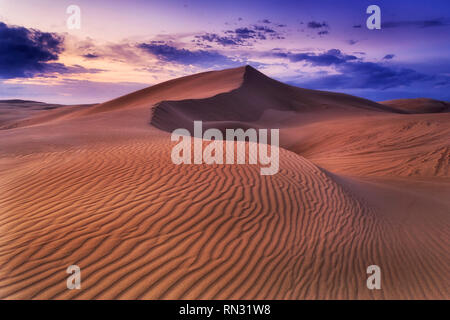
[127, 45]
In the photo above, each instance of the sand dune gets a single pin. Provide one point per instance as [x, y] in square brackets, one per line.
[259, 94]
[419, 105]
[196, 86]
[21, 113]
[384, 145]
[359, 184]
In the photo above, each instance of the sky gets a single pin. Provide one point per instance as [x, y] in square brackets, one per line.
[122, 46]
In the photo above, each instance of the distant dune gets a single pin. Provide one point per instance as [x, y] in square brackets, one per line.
[19, 113]
[419, 105]
[360, 183]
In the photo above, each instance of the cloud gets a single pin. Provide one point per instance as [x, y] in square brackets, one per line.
[26, 52]
[243, 33]
[364, 75]
[90, 56]
[328, 58]
[74, 69]
[222, 40]
[375, 75]
[357, 26]
[416, 23]
[243, 36]
[321, 27]
[201, 58]
[263, 29]
[317, 25]
[351, 72]
[352, 42]
[389, 57]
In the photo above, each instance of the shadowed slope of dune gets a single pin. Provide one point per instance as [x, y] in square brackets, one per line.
[97, 188]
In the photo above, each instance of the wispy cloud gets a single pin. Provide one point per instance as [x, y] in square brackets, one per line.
[202, 58]
[360, 74]
[317, 25]
[416, 23]
[321, 27]
[91, 56]
[242, 36]
[350, 72]
[328, 58]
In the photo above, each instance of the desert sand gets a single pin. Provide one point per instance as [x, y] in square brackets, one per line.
[360, 183]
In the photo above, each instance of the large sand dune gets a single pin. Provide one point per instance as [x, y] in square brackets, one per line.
[359, 184]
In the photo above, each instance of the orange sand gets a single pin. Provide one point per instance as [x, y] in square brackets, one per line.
[360, 183]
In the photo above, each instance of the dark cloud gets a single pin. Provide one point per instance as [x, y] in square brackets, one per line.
[265, 21]
[365, 75]
[263, 29]
[26, 52]
[416, 23]
[357, 26]
[352, 42]
[328, 58]
[317, 25]
[389, 57]
[355, 73]
[377, 76]
[202, 58]
[222, 40]
[243, 36]
[243, 33]
[90, 56]
[321, 27]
